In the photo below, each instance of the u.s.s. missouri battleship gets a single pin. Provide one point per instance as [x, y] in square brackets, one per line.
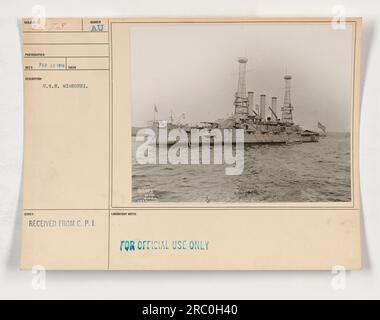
[261, 123]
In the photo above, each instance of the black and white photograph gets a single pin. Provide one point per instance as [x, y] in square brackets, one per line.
[242, 113]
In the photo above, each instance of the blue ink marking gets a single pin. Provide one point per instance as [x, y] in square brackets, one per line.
[97, 28]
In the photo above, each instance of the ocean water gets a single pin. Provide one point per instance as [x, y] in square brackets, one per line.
[308, 172]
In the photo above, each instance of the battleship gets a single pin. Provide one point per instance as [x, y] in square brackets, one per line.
[261, 124]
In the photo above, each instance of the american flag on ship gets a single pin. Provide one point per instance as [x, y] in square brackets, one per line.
[321, 126]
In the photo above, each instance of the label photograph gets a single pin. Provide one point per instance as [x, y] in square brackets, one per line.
[191, 144]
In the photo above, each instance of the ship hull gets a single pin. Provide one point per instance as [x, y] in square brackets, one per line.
[270, 138]
[257, 138]
[310, 139]
[250, 137]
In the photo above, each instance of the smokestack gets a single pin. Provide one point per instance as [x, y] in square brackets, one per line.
[241, 98]
[242, 90]
[250, 102]
[262, 106]
[287, 109]
[274, 105]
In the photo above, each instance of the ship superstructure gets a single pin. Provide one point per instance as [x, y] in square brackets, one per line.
[261, 123]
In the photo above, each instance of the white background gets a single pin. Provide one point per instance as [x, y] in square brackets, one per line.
[186, 285]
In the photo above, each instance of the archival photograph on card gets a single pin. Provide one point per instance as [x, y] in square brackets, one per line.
[241, 113]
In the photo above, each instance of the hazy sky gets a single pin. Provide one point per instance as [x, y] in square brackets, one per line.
[193, 69]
